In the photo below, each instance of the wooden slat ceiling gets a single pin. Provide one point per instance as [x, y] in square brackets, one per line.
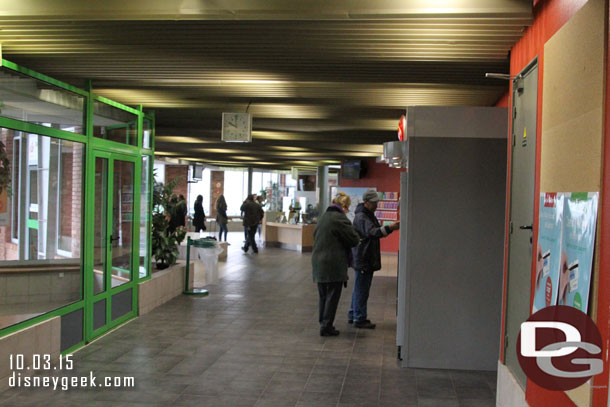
[324, 81]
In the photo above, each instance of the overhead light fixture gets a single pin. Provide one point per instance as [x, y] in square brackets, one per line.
[396, 153]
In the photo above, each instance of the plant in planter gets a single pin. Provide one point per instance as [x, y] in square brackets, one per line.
[165, 240]
[5, 170]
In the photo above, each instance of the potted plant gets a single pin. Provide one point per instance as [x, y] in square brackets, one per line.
[165, 241]
[5, 170]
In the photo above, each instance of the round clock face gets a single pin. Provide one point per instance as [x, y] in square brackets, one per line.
[236, 127]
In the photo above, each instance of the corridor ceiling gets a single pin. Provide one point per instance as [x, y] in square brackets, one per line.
[323, 80]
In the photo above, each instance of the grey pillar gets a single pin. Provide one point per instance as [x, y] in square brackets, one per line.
[322, 188]
[249, 180]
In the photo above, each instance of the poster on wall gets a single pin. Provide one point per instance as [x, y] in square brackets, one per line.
[576, 264]
[217, 181]
[549, 250]
[355, 195]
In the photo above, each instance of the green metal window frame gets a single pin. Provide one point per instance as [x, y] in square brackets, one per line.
[93, 146]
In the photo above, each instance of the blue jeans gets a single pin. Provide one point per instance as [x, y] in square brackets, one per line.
[222, 228]
[362, 286]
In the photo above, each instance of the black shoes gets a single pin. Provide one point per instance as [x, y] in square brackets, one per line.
[329, 332]
[245, 249]
[364, 324]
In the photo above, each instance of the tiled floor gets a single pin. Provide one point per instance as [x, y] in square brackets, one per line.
[254, 341]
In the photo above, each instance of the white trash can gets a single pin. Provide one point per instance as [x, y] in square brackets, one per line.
[209, 257]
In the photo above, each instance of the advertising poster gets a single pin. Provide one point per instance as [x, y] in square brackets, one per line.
[549, 250]
[579, 221]
[355, 195]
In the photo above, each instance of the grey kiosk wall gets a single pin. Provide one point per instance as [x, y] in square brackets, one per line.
[452, 238]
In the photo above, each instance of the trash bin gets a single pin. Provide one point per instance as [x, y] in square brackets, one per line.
[209, 257]
[207, 250]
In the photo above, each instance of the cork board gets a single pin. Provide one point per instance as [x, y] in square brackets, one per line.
[572, 119]
[572, 103]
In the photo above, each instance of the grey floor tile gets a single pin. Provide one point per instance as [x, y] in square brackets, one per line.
[254, 342]
[482, 402]
[437, 402]
[275, 403]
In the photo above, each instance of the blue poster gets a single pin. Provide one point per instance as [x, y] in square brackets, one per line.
[355, 195]
[576, 264]
[549, 250]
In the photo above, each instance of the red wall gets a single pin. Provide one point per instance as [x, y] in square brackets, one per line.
[503, 101]
[549, 16]
[385, 179]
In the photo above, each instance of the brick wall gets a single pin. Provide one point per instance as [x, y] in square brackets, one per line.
[178, 171]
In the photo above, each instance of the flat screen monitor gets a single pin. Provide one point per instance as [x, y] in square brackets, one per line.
[197, 172]
[351, 169]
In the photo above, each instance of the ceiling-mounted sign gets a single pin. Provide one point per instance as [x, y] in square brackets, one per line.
[402, 128]
[237, 127]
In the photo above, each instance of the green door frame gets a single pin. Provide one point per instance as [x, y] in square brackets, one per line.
[93, 146]
[109, 291]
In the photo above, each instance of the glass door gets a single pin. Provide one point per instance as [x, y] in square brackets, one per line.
[115, 260]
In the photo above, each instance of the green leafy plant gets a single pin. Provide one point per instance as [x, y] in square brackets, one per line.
[164, 240]
[5, 170]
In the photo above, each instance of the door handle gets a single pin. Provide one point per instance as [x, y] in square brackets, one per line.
[112, 239]
[526, 227]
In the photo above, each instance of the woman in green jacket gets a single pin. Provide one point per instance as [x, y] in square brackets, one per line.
[333, 239]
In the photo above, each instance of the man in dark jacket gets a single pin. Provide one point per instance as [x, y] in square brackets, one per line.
[253, 214]
[367, 256]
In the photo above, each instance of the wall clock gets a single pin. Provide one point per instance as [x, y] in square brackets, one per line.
[237, 127]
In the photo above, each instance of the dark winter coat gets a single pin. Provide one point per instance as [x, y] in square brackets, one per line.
[221, 212]
[367, 255]
[253, 213]
[334, 236]
[199, 218]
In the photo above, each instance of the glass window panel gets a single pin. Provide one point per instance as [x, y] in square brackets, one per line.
[202, 188]
[111, 123]
[234, 190]
[40, 270]
[100, 235]
[122, 222]
[257, 182]
[15, 183]
[159, 172]
[147, 134]
[145, 217]
[66, 207]
[28, 99]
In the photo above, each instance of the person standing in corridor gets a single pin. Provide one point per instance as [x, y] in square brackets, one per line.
[199, 218]
[253, 214]
[367, 256]
[334, 237]
[221, 217]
